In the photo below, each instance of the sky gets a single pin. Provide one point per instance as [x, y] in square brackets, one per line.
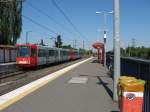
[87, 25]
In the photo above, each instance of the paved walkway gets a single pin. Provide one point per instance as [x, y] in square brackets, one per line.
[87, 88]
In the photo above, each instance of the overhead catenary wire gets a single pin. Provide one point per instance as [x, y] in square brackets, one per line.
[40, 25]
[56, 22]
[53, 20]
[50, 18]
[69, 21]
[39, 33]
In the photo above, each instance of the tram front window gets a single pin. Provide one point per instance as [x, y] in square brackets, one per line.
[24, 51]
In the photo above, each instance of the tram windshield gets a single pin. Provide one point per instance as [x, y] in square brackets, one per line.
[23, 51]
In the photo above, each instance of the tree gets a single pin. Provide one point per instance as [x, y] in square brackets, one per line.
[123, 52]
[140, 52]
[58, 42]
[82, 51]
[67, 47]
[10, 21]
[85, 52]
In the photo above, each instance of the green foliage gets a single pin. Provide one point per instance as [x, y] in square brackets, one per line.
[67, 47]
[85, 52]
[122, 50]
[58, 42]
[140, 52]
[10, 22]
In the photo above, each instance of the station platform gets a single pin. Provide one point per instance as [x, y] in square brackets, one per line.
[84, 88]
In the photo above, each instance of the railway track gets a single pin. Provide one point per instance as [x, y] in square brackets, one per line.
[10, 74]
[17, 79]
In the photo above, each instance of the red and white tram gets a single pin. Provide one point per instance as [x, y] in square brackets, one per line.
[30, 55]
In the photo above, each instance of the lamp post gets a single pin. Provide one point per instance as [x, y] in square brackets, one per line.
[27, 33]
[105, 32]
[104, 16]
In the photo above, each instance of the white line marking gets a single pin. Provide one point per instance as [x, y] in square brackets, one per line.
[21, 92]
[79, 80]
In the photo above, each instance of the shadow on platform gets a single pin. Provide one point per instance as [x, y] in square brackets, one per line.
[101, 82]
[84, 75]
[110, 74]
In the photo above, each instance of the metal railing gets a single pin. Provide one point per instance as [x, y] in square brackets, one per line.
[138, 68]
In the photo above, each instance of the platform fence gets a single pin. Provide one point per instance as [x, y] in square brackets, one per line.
[138, 68]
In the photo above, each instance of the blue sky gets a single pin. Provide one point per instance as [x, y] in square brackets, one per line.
[134, 21]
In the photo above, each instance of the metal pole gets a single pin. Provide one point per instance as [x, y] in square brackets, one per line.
[58, 43]
[54, 42]
[104, 14]
[98, 55]
[26, 37]
[104, 36]
[83, 44]
[75, 43]
[104, 39]
[116, 48]
[105, 47]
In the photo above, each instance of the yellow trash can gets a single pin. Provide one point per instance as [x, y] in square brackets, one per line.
[131, 98]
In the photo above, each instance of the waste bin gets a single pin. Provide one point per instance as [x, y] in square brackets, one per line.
[121, 80]
[131, 97]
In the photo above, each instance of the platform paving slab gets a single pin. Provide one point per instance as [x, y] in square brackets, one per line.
[95, 95]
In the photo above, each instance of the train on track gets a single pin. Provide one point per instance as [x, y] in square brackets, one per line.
[31, 55]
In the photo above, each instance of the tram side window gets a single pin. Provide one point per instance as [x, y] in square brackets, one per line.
[64, 53]
[23, 51]
[61, 53]
[33, 52]
[75, 53]
[41, 53]
[44, 53]
[51, 53]
[56, 53]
